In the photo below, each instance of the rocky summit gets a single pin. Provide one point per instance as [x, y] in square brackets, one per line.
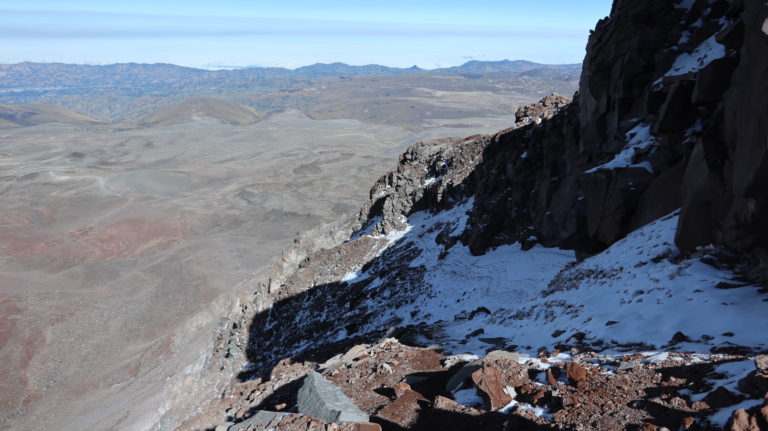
[598, 265]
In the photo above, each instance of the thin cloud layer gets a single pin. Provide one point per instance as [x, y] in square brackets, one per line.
[16, 24]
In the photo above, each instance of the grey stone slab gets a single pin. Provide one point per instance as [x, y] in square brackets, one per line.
[322, 399]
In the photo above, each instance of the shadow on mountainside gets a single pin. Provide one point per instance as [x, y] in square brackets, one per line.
[517, 187]
[510, 177]
[317, 321]
[525, 188]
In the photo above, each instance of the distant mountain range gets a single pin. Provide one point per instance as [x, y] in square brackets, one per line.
[372, 93]
[20, 76]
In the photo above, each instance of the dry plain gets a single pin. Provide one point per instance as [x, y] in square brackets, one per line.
[121, 246]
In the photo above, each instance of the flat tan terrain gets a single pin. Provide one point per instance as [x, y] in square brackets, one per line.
[121, 246]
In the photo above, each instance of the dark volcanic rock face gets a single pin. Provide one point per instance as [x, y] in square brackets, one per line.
[670, 114]
[731, 196]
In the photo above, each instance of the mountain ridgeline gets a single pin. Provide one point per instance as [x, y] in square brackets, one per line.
[134, 75]
[372, 93]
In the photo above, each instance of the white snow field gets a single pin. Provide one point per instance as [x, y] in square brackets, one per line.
[636, 295]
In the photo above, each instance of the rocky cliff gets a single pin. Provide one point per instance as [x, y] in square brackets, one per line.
[607, 227]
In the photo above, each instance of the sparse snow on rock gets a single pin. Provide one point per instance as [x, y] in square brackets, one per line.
[639, 139]
[704, 54]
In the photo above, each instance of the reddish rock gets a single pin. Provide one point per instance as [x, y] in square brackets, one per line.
[424, 359]
[754, 419]
[490, 383]
[528, 389]
[410, 393]
[545, 108]
[538, 396]
[402, 388]
[404, 411]
[688, 422]
[576, 373]
[443, 403]
[571, 401]
[550, 377]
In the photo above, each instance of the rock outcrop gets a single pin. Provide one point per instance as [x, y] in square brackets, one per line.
[668, 115]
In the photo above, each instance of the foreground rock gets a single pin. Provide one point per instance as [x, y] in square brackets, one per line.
[404, 387]
[754, 419]
[320, 398]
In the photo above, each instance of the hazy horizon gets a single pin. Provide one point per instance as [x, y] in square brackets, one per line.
[215, 67]
[236, 34]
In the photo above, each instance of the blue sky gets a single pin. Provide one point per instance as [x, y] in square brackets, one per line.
[294, 33]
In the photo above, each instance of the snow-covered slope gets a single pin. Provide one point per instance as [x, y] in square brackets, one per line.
[640, 294]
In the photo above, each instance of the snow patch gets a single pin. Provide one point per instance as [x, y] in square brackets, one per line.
[704, 54]
[538, 411]
[733, 372]
[636, 291]
[394, 236]
[351, 276]
[468, 397]
[638, 139]
[655, 357]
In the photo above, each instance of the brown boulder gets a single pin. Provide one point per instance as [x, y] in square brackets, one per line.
[545, 108]
[576, 374]
[401, 389]
[754, 419]
[551, 378]
[443, 403]
[404, 411]
[490, 383]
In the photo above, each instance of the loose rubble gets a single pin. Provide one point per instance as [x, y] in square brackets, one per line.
[403, 387]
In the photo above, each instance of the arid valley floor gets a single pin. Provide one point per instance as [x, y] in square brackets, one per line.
[120, 246]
